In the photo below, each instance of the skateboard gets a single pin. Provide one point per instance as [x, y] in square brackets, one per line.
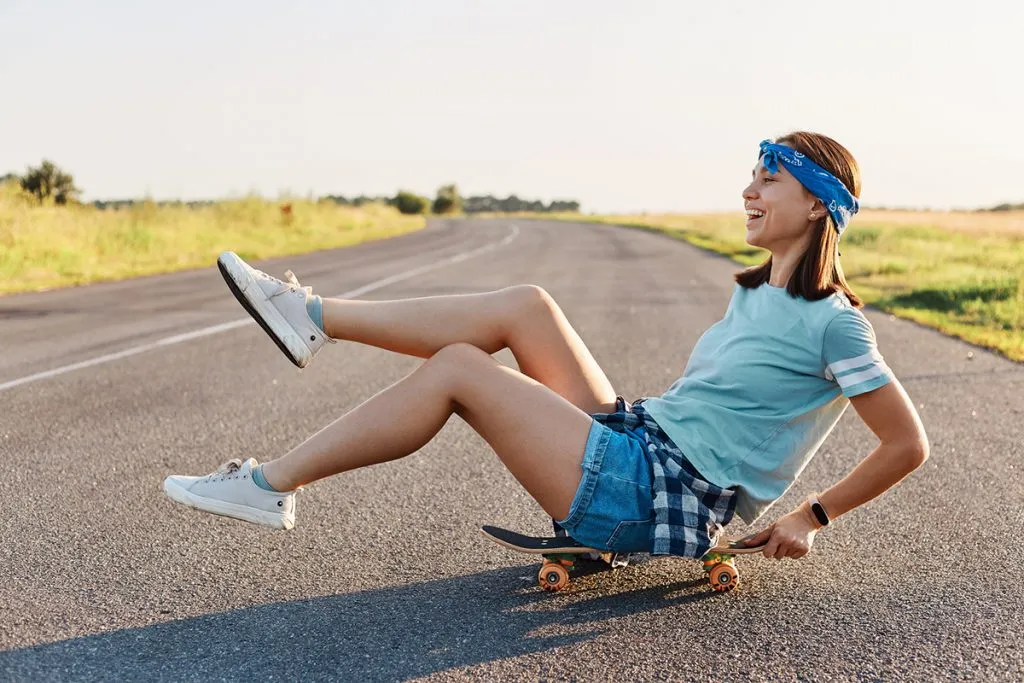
[560, 554]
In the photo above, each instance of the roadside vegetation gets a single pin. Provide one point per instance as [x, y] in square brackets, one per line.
[44, 245]
[49, 238]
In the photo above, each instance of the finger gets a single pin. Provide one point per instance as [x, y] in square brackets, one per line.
[760, 537]
[771, 548]
[785, 547]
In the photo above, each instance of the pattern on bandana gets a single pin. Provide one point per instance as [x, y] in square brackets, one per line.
[841, 204]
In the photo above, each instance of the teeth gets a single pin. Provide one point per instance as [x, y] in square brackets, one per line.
[754, 213]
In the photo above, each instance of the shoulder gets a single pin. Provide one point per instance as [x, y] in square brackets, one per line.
[828, 315]
[845, 332]
[844, 319]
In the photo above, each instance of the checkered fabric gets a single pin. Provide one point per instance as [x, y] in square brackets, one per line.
[689, 512]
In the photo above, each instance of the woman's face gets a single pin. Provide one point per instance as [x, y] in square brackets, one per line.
[779, 209]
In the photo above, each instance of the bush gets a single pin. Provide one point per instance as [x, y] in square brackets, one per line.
[447, 200]
[411, 203]
[49, 181]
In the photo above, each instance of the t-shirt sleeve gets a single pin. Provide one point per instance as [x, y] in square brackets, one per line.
[851, 355]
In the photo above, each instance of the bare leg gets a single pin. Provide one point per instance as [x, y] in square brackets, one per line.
[539, 436]
[523, 318]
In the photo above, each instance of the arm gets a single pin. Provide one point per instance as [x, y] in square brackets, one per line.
[890, 414]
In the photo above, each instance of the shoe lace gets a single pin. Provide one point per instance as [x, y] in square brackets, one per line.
[234, 465]
[289, 283]
[294, 281]
[230, 466]
[227, 468]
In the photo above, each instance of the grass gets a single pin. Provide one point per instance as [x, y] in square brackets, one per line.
[44, 247]
[961, 273]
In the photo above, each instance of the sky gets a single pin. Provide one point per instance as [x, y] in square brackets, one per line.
[623, 106]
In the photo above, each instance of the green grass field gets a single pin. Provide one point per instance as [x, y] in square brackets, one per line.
[44, 247]
[961, 273]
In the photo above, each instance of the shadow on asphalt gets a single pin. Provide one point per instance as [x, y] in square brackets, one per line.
[387, 634]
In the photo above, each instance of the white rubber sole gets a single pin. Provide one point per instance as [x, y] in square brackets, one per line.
[258, 305]
[219, 507]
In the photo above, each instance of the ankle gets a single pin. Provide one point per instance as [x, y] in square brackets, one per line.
[315, 310]
[273, 479]
[260, 480]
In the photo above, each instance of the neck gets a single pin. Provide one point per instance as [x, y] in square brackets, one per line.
[785, 259]
[783, 266]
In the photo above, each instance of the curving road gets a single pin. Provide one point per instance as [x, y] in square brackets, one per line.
[106, 389]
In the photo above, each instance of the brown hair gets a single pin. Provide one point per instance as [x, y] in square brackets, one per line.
[818, 275]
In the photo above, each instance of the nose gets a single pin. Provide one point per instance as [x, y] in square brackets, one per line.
[749, 192]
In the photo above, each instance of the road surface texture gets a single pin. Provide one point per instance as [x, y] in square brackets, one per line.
[385, 576]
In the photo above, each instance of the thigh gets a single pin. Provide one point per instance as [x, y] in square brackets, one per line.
[548, 349]
[538, 434]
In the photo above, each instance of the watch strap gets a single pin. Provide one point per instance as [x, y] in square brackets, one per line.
[817, 509]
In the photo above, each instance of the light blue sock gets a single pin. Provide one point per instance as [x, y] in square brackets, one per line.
[260, 480]
[315, 308]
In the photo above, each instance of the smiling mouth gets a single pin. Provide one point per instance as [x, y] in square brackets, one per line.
[753, 215]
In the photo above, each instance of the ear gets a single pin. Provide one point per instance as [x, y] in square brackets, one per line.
[817, 210]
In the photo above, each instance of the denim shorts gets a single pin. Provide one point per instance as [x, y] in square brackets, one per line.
[612, 508]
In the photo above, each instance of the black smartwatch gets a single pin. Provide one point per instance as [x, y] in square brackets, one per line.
[817, 510]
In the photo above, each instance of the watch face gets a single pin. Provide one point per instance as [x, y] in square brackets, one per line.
[819, 512]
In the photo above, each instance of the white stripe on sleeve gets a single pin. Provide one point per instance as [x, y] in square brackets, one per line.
[847, 381]
[851, 363]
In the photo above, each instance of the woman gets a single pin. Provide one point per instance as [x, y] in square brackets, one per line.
[762, 389]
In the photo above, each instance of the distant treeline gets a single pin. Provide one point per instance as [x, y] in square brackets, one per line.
[925, 209]
[128, 203]
[49, 182]
[476, 204]
[513, 204]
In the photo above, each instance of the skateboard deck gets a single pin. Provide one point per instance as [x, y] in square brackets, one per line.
[561, 552]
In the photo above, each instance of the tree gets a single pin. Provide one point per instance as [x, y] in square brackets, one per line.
[411, 203]
[50, 181]
[447, 200]
[512, 204]
[336, 198]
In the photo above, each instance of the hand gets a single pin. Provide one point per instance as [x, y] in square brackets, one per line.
[789, 536]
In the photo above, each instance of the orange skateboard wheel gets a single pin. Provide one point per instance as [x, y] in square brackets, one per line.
[723, 577]
[553, 577]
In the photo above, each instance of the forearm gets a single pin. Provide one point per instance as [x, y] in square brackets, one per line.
[886, 466]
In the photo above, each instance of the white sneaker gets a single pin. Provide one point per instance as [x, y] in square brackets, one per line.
[230, 491]
[279, 307]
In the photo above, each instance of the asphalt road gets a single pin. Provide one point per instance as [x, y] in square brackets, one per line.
[385, 576]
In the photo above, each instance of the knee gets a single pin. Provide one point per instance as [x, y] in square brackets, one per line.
[456, 364]
[459, 354]
[531, 297]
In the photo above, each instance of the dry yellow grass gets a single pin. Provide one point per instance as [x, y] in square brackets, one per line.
[970, 222]
[43, 247]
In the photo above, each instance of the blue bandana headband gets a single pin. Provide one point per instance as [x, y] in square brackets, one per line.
[819, 182]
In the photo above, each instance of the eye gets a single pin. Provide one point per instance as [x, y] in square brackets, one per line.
[769, 179]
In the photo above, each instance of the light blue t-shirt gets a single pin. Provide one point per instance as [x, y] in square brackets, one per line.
[763, 388]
